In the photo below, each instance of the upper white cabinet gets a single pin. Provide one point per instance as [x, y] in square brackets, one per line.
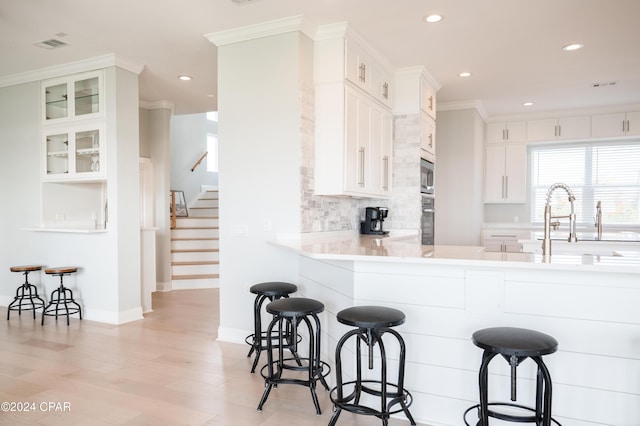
[617, 124]
[505, 173]
[559, 128]
[367, 73]
[427, 97]
[427, 137]
[514, 131]
[71, 98]
[353, 154]
[73, 129]
[74, 153]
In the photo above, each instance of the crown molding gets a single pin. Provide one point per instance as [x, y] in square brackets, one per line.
[84, 65]
[459, 105]
[264, 29]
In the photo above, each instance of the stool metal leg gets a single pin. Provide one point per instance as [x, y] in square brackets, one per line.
[61, 296]
[21, 296]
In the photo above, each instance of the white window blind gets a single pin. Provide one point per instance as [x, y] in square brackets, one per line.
[606, 172]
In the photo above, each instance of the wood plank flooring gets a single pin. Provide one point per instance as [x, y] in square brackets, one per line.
[167, 369]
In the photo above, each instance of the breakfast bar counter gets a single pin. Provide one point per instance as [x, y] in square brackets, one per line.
[588, 303]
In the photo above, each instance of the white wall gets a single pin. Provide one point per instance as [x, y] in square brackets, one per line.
[459, 177]
[259, 83]
[108, 282]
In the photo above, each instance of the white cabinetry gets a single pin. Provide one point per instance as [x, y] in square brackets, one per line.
[559, 128]
[366, 73]
[505, 173]
[514, 131]
[353, 154]
[427, 97]
[74, 153]
[617, 124]
[427, 137]
[73, 128]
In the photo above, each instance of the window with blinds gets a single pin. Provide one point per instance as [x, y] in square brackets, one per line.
[606, 172]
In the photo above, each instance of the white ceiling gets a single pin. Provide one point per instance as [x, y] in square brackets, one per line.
[512, 47]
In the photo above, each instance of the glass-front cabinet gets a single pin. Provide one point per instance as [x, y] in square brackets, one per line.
[73, 128]
[74, 153]
[74, 97]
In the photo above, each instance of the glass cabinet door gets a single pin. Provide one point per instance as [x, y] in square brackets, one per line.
[87, 151]
[56, 105]
[87, 96]
[57, 149]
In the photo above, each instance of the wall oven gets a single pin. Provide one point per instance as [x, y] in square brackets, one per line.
[428, 219]
[427, 169]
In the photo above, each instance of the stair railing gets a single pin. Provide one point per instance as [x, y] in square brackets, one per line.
[173, 210]
[199, 160]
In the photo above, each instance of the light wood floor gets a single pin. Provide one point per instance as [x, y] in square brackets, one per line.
[167, 369]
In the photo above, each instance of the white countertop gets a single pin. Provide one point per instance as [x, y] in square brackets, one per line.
[407, 248]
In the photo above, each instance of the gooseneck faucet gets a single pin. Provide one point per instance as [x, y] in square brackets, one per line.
[546, 242]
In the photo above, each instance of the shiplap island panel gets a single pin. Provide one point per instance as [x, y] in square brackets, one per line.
[588, 303]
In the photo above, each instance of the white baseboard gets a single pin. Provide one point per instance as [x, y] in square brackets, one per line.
[111, 317]
[232, 335]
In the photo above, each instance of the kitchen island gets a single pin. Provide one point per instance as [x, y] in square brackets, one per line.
[588, 303]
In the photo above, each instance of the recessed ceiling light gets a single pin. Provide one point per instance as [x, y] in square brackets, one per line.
[184, 77]
[464, 74]
[432, 19]
[527, 104]
[572, 46]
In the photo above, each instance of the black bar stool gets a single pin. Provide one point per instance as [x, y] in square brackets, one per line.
[61, 296]
[294, 312]
[266, 291]
[27, 298]
[372, 323]
[515, 345]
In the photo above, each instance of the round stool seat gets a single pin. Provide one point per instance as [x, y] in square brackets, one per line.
[267, 291]
[26, 298]
[515, 341]
[272, 289]
[295, 307]
[61, 270]
[26, 268]
[371, 317]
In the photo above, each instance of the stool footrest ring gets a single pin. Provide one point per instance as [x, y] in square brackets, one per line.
[507, 417]
[404, 398]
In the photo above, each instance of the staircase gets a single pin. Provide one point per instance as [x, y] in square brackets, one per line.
[194, 245]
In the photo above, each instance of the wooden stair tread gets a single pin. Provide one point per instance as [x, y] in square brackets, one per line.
[194, 277]
[196, 262]
[206, 250]
[180, 228]
[196, 239]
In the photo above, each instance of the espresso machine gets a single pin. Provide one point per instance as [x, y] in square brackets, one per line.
[373, 219]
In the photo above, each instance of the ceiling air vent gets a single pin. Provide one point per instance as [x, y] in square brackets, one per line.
[604, 84]
[51, 44]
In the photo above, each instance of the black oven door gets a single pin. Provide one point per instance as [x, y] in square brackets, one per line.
[428, 220]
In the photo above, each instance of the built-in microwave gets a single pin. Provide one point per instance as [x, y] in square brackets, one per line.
[427, 169]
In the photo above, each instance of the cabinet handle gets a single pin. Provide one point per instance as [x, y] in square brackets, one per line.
[363, 72]
[361, 160]
[430, 140]
[431, 102]
[506, 187]
[385, 90]
[385, 186]
[502, 192]
[507, 132]
[627, 125]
